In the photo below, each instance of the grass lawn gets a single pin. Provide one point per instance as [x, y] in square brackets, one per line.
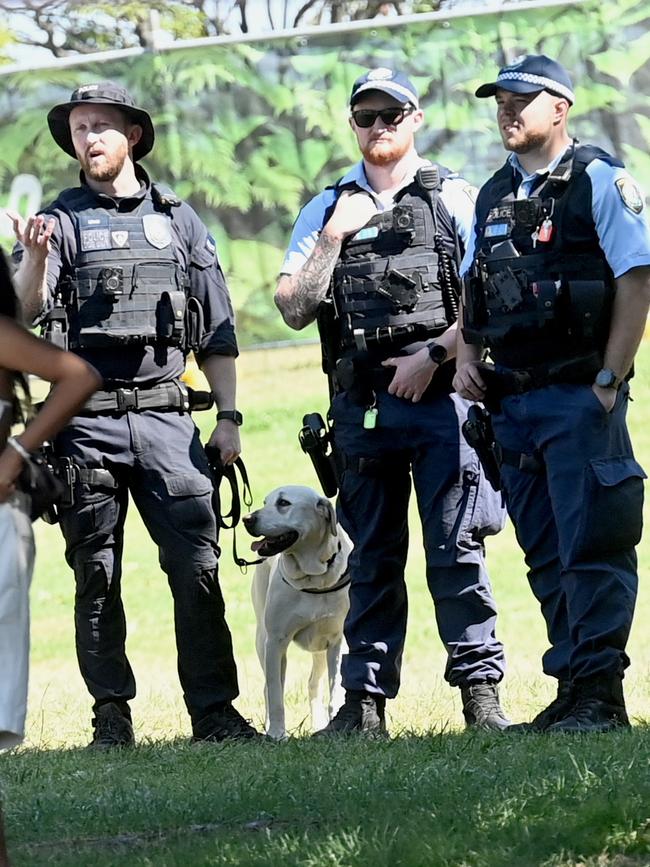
[435, 795]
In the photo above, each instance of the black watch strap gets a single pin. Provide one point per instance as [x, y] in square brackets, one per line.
[230, 415]
[437, 352]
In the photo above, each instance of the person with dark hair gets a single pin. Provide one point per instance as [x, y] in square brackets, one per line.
[374, 259]
[557, 288]
[74, 381]
[127, 275]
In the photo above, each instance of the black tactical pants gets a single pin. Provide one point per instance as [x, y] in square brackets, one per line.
[158, 459]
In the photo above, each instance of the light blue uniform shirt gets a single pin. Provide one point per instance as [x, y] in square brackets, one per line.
[457, 195]
[624, 236]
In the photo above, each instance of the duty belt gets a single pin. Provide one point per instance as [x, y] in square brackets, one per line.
[164, 396]
[503, 381]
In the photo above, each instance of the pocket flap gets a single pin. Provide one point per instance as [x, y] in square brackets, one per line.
[613, 471]
[188, 485]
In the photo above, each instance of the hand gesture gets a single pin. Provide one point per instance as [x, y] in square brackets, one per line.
[413, 374]
[352, 212]
[607, 396]
[468, 381]
[34, 235]
[225, 437]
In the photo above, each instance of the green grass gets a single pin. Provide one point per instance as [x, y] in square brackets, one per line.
[434, 795]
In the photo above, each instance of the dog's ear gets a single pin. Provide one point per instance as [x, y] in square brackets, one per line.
[326, 509]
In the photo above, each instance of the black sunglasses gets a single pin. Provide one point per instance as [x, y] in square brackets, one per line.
[366, 117]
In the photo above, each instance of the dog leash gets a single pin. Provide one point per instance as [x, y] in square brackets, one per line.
[230, 520]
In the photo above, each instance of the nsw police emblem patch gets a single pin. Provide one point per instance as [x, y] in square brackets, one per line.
[157, 230]
[120, 239]
[631, 194]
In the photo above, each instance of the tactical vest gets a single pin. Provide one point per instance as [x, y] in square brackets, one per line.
[396, 281]
[126, 285]
[540, 289]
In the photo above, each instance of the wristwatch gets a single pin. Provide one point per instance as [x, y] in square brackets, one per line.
[607, 378]
[437, 352]
[230, 415]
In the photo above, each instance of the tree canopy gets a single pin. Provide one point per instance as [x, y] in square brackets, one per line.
[248, 132]
[70, 27]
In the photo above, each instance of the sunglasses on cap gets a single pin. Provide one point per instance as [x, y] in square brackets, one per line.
[366, 117]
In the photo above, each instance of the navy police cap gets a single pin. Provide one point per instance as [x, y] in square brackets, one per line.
[529, 74]
[395, 84]
[102, 93]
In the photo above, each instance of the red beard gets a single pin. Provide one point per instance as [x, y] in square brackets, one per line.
[385, 152]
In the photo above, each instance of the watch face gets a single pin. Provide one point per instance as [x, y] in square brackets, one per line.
[230, 415]
[437, 353]
[605, 378]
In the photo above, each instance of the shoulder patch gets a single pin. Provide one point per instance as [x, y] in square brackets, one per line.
[210, 245]
[471, 193]
[630, 194]
[157, 230]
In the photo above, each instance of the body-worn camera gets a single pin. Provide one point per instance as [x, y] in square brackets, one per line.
[403, 221]
[528, 213]
[315, 440]
[111, 281]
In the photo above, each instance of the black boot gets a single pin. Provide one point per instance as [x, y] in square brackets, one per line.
[556, 710]
[224, 724]
[112, 728]
[360, 713]
[481, 707]
[599, 707]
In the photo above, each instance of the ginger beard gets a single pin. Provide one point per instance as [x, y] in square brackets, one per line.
[384, 152]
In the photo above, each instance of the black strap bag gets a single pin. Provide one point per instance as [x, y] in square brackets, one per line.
[45, 490]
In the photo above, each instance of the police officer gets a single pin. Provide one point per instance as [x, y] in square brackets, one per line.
[127, 276]
[385, 237]
[558, 287]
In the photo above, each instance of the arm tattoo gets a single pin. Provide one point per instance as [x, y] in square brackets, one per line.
[310, 284]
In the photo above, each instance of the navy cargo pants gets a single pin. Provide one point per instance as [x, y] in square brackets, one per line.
[421, 441]
[157, 458]
[577, 520]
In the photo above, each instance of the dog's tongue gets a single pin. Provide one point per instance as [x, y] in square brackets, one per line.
[257, 544]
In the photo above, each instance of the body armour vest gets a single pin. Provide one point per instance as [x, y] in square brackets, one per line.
[126, 285]
[396, 279]
[540, 289]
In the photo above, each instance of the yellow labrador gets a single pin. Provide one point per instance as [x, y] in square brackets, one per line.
[300, 593]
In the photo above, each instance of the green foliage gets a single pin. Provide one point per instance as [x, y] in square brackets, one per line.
[248, 133]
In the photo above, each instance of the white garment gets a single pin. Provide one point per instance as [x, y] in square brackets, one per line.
[16, 568]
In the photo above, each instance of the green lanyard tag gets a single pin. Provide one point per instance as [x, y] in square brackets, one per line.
[370, 418]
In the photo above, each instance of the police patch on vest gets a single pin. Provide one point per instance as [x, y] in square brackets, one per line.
[120, 239]
[631, 194]
[497, 230]
[95, 239]
[210, 245]
[157, 230]
[366, 233]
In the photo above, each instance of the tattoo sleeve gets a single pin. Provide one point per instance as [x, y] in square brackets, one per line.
[309, 286]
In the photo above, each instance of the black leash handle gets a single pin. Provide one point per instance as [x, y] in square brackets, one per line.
[230, 520]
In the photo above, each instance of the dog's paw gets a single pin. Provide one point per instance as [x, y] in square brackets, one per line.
[277, 734]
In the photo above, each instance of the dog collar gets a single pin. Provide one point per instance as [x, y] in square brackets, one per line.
[343, 581]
